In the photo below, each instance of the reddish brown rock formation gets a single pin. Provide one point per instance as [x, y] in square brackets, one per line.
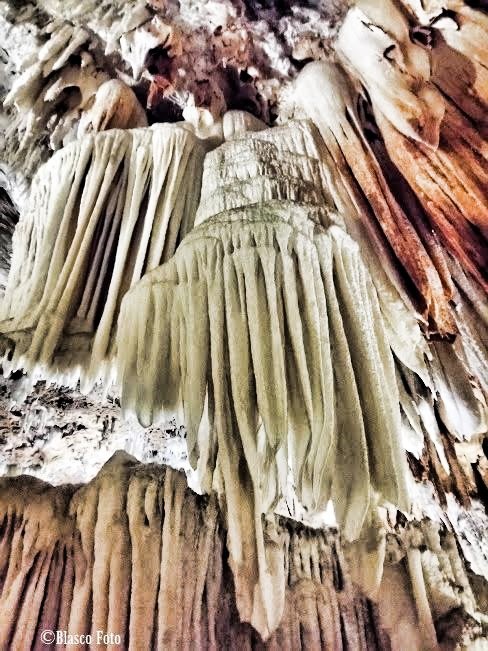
[135, 553]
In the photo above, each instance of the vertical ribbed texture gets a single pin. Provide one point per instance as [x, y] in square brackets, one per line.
[102, 212]
[137, 554]
[264, 335]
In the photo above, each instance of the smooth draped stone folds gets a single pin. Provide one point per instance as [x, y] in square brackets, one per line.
[102, 212]
[135, 553]
[325, 93]
[265, 334]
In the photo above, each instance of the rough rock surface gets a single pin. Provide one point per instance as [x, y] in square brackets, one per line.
[61, 435]
[204, 58]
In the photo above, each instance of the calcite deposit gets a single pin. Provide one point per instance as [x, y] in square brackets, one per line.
[113, 206]
[118, 553]
[246, 243]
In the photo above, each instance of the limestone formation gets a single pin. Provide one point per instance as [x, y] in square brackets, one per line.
[261, 229]
[267, 271]
[102, 211]
[374, 41]
[115, 107]
[457, 36]
[54, 89]
[118, 553]
[369, 206]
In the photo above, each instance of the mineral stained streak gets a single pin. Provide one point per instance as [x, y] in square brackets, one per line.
[136, 553]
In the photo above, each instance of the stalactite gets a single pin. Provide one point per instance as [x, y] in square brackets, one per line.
[55, 89]
[444, 597]
[117, 554]
[451, 184]
[102, 212]
[319, 317]
[326, 95]
[205, 334]
[440, 181]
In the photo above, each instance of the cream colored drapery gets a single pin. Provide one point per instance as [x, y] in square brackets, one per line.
[265, 334]
[103, 211]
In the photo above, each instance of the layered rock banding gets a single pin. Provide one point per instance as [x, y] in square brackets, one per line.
[321, 318]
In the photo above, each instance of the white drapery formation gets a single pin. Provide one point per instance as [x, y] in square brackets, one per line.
[265, 335]
[118, 554]
[317, 181]
[102, 212]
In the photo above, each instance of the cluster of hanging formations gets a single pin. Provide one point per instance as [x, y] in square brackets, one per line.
[306, 299]
[123, 567]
